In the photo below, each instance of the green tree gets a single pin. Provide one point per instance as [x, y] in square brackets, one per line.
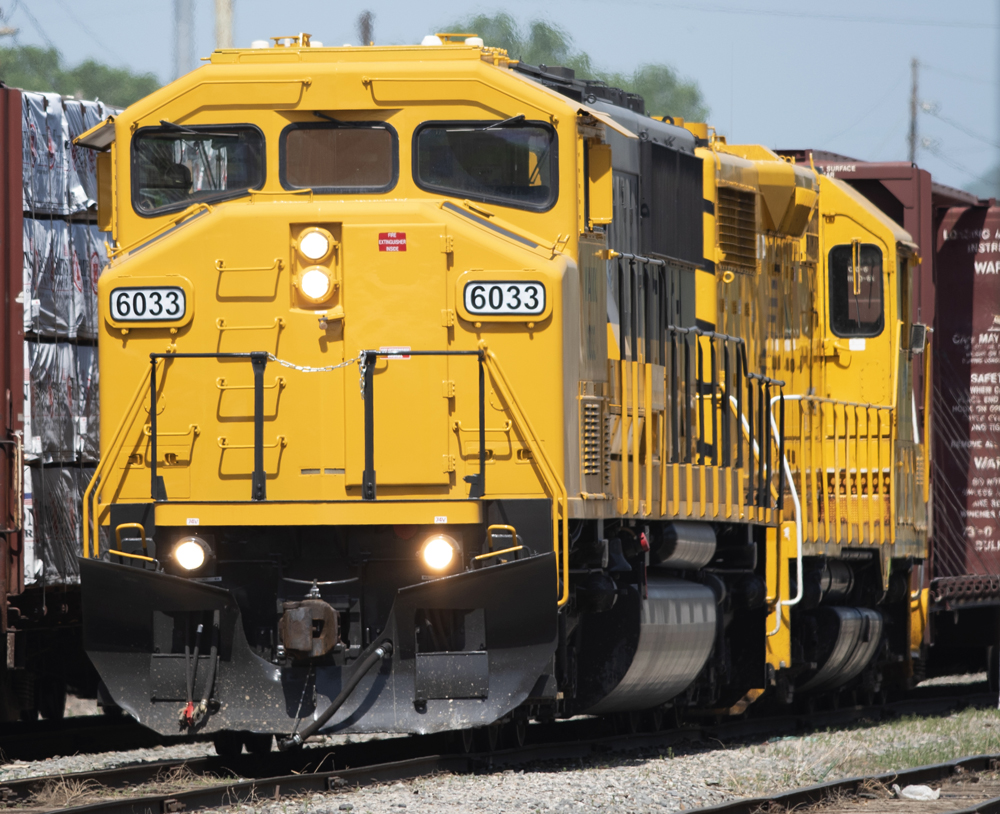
[988, 186]
[544, 43]
[42, 69]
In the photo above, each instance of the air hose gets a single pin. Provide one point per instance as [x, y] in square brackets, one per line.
[383, 651]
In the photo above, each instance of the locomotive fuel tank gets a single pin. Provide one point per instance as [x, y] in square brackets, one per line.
[632, 666]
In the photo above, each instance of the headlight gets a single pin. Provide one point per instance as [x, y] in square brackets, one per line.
[191, 553]
[315, 244]
[438, 552]
[315, 283]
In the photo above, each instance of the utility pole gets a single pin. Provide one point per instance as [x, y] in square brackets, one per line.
[914, 105]
[914, 69]
[223, 23]
[183, 36]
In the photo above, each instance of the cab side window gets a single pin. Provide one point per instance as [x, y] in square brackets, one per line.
[856, 294]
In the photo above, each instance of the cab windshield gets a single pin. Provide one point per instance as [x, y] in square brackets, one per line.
[175, 166]
[502, 162]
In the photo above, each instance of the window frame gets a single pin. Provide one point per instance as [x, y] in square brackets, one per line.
[328, 125]
[483, 124]
[180, 206]
[882, 289]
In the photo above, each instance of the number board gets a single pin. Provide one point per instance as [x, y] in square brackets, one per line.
[504, 298]
[148, 304]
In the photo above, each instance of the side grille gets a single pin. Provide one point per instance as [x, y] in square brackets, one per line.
[737, 229]
[590, 436]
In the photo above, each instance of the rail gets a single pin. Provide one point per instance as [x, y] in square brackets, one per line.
[706, 385]
[551, 481]
[843, 455]
[477, 483]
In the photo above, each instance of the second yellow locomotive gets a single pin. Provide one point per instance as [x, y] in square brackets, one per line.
[440, 391]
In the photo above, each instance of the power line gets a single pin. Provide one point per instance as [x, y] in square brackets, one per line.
[867, 113]
[806, 15]
[34, 22]
[83, 26]
[963, 76]
[931, 111]
[934, 151]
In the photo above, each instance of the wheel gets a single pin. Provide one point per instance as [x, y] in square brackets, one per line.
[52, 699]
[258, 743]
[628, 723]
[488, 737]
[517, 733]
[467, 740]
[228, 744]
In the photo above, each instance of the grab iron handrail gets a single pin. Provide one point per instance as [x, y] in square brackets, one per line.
[477, 483]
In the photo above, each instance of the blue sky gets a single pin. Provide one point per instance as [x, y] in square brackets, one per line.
[783, 73]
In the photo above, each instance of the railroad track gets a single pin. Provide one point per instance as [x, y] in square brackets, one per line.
[221, 781]
[84, 734]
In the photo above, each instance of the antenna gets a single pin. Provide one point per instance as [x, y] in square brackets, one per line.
[366, 27]
[223, 23]
[914, 70]
[183, 36]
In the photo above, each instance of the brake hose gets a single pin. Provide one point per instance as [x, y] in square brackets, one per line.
[383, 651]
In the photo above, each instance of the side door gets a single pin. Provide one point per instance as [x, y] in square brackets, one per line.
[860, 315]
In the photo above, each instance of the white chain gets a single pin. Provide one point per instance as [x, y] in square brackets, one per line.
[306, 369]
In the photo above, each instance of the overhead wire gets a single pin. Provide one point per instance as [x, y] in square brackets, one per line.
[867, 113]
[960, 127]
[808, 15]
[86, 30]
[34, 22]
[956, 75]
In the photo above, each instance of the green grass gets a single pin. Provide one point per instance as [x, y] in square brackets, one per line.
[867, 749]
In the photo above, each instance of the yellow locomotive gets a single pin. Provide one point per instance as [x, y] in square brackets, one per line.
[441, 391]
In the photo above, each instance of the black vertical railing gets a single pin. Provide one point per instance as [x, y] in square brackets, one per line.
[258, 489]
[725, 385]
[477, 483]
[258, 360]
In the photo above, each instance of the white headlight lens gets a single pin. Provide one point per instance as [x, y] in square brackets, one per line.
[315, 284]
[189, 555]
[438, 553]
[314, 245]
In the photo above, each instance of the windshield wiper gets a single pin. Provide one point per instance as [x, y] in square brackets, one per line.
[187, 131]
[512, 120]
[319, 115]
[480, 127]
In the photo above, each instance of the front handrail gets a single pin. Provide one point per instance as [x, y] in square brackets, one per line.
[549, 476]
[117, 440]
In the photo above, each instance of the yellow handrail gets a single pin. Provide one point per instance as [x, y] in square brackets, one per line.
[927, 419]
[113, 448]
[550, 479]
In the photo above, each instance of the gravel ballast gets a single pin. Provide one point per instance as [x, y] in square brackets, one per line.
[659, 780]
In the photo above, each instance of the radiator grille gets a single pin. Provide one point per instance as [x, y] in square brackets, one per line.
[737, 228]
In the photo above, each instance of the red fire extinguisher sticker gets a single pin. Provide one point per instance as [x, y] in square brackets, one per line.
[392, 241]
